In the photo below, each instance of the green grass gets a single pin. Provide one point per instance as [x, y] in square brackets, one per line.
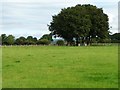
[60, 67]
[0, 68]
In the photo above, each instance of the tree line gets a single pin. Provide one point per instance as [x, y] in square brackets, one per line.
[46, 39]
[30, 40]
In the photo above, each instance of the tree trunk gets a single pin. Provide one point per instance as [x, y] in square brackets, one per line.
[77, 41]
[68, 44]
[88, 40]
[82, 41]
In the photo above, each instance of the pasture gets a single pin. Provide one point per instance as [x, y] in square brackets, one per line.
[0, 67]
[60, 67]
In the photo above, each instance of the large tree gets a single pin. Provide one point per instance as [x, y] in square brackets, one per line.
[80, 23]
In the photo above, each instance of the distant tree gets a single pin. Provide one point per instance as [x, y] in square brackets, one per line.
[43, 42]
[35, 40]
[0, 40]
[47, 36]
[30, 40]
[3, 36]
[20, 41]
[115, 38]
[60, 43]
[10, 40]
[82, 23]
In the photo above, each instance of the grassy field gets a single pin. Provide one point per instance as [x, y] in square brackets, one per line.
[60, 67]
[0, 68]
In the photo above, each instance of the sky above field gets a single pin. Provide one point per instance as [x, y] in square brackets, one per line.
[30, 17]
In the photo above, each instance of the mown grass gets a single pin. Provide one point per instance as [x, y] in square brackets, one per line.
[60, 67]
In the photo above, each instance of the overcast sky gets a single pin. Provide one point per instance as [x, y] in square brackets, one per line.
[30, 17]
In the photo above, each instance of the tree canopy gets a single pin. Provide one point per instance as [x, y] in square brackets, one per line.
[81, 23]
